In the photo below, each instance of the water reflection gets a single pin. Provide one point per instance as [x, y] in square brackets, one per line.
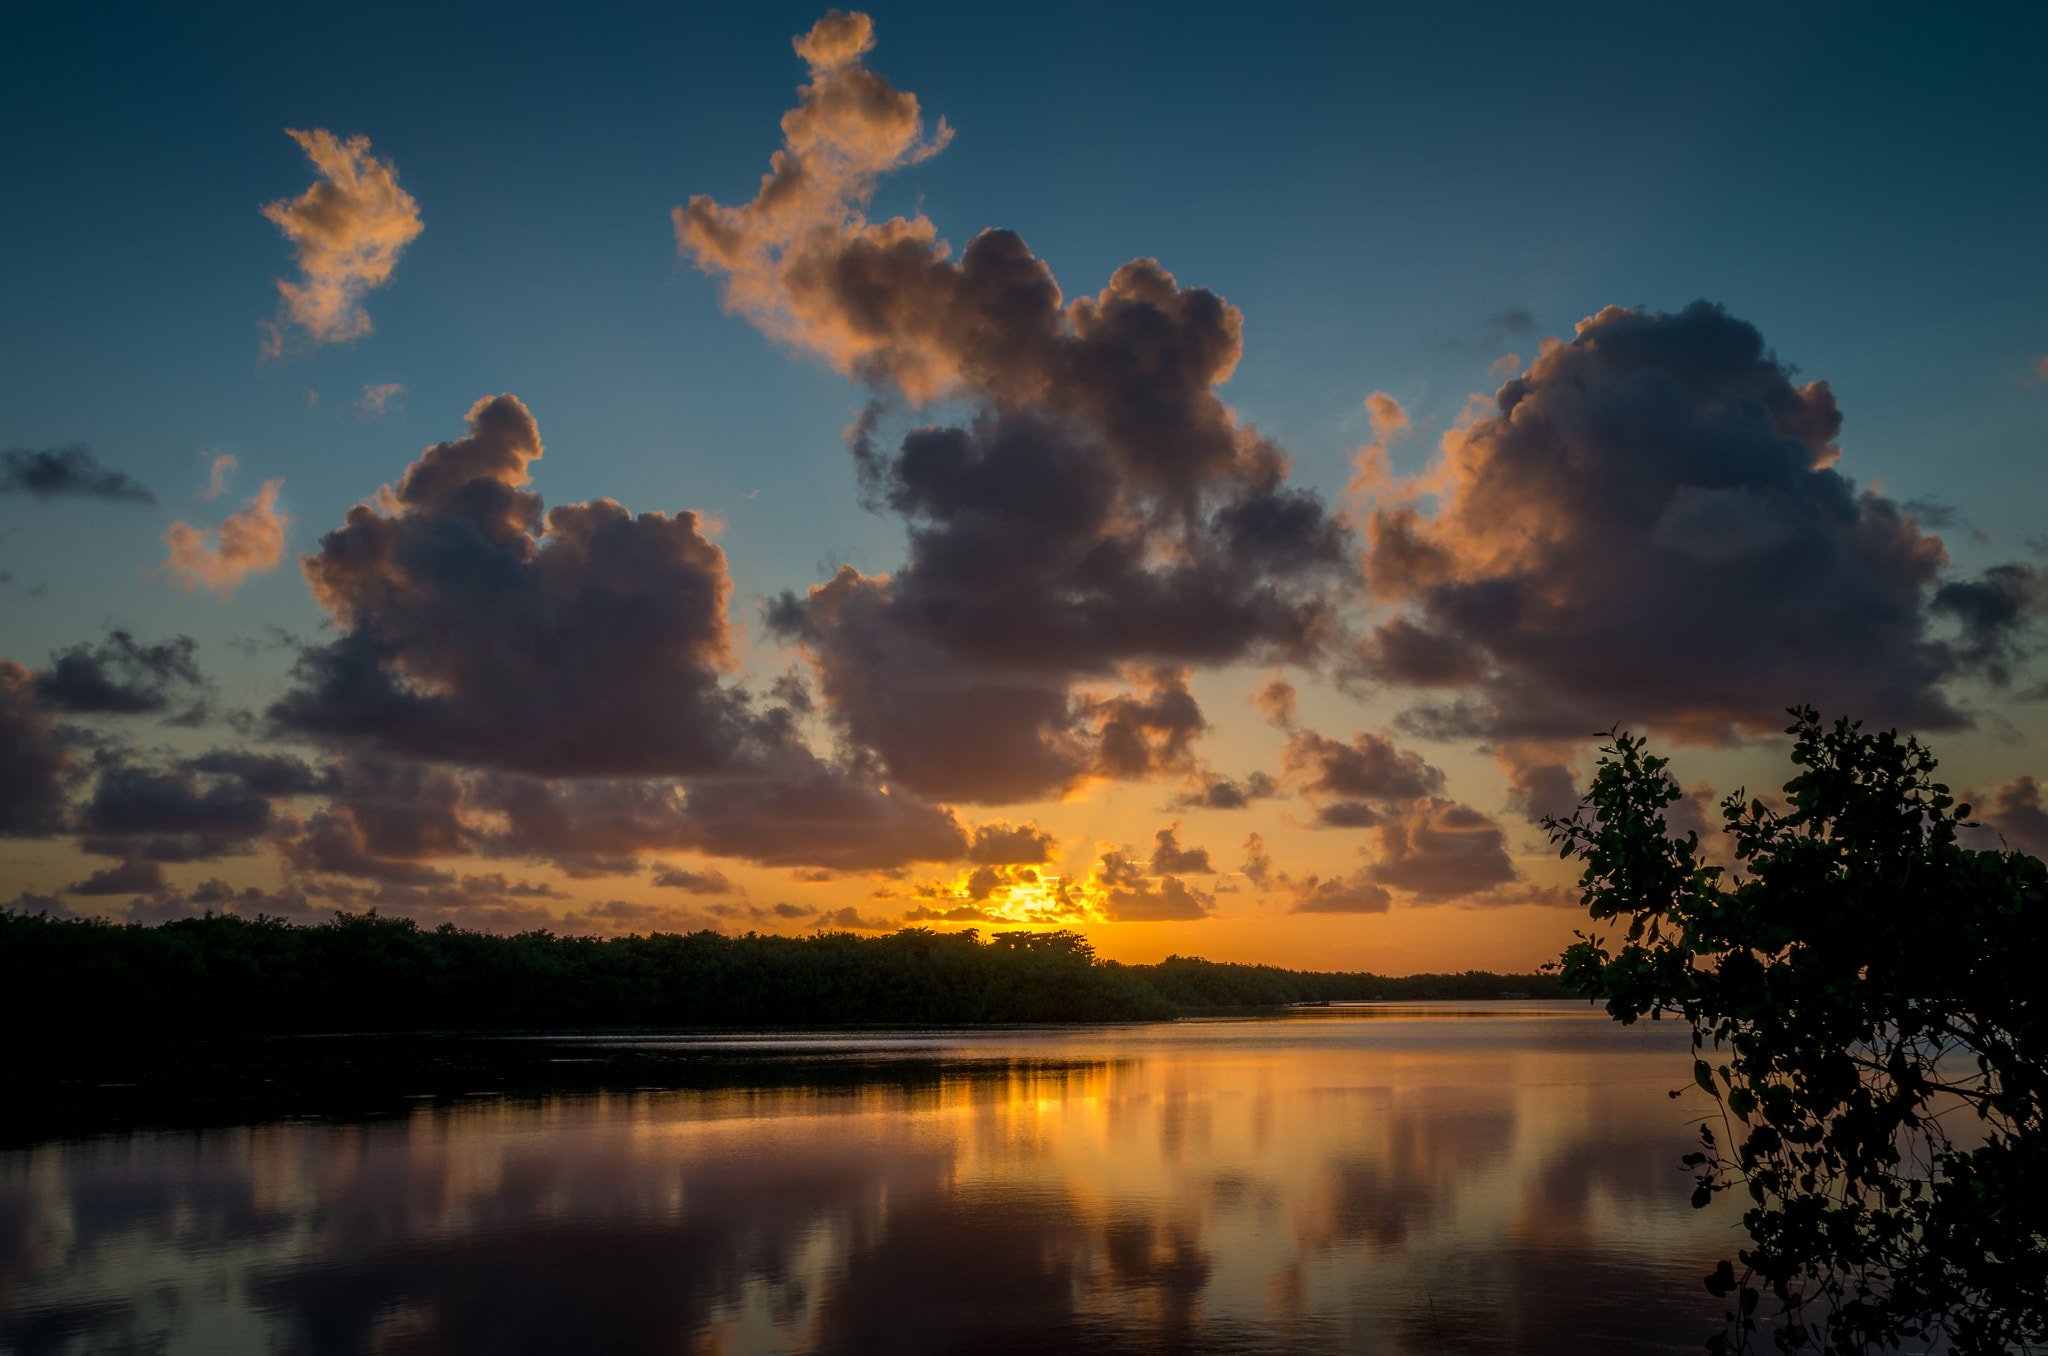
[1428, 1181]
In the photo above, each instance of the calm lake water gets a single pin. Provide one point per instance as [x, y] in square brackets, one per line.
[1399, 1180]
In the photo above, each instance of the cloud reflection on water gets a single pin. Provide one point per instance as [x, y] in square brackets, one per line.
[1454, 1183]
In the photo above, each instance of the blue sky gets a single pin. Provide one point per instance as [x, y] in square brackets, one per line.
[1393, 197]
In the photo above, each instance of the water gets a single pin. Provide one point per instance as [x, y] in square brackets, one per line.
[1395, 1180]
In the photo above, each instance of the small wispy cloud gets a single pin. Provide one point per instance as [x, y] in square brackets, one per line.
[247, 542]
[348, 231]
[223, 466]
[378, 400]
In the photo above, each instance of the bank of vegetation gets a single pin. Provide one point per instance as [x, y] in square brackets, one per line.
[234, 976]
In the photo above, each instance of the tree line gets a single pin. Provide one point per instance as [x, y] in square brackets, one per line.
[231, 976]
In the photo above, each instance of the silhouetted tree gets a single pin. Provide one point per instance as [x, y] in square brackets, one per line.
[1864, 994]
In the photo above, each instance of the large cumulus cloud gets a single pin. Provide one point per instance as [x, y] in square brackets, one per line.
[1649, 528]
[1102, 519]
[554, 684]
[481, 630]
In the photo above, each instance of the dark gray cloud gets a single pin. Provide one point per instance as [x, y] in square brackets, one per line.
[563, 674]
[1103, 515]
[34, 764]
[1994, 612]
[1650, 529]
[1429, 848]
[67, 472]
[1131, 894]
[32, 904]
[134, 877]
[695, 882]
[1169, 858]
[382, 820]
[999, 844]
[1514, 321]
[2017, 816]
[1357, 893]
[1167, 901]
[1354, 786]
[271, 774]
[1211, 792]
[169, 814]
[809, 813]
[120, 676]
[478, 630]
[1437, 850]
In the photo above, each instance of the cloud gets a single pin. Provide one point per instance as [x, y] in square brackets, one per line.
[67, 472]
[217, 478]
[695, 882]
[1514, 319]
[998, 844]
[808, 813]
[852, 919]
[1352, 785]
[1438, 850]
[383, 820]
[34, 764]
[248, 542]
[1994, 611]
[1258, 863]
[1171, 900]
[1372, 470]
[1102, 514]
[33, 904]
[120, 676]
[1126, 894]
[347, 231]
[377, 400]
[1169, 858]
[169, 814]
[1358, 893]
[1426, 846]
[477, 629]
[961, 913]
[1211, 792]
[132, 877]
[1647, 527]
[2018, 817]
[1277, 701]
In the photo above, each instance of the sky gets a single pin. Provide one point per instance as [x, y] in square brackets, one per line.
[1196, 478]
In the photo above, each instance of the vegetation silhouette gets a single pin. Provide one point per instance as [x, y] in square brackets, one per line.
[1864, 994]
[224, 976]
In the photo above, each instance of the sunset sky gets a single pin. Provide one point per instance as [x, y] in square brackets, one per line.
[1195, 478]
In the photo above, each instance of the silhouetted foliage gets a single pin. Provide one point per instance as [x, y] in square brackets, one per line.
[1869, 990]
[1192, 982]
[230, 976]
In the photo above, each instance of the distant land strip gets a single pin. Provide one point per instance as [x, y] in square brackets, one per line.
[224, 976]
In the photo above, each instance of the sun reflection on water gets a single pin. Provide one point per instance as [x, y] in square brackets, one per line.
[1404, 1184]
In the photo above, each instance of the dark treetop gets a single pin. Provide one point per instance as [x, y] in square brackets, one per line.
[1864, 996]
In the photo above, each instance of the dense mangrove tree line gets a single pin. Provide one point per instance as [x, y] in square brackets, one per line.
[236, 976]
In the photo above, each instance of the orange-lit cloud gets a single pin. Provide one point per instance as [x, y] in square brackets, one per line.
[1648, 526]
[1370, 469]
[347, 230]
[217, 478]
[377, 400]
[1105, 514]
[1277, 700]
[250, 541]
[849, 129]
